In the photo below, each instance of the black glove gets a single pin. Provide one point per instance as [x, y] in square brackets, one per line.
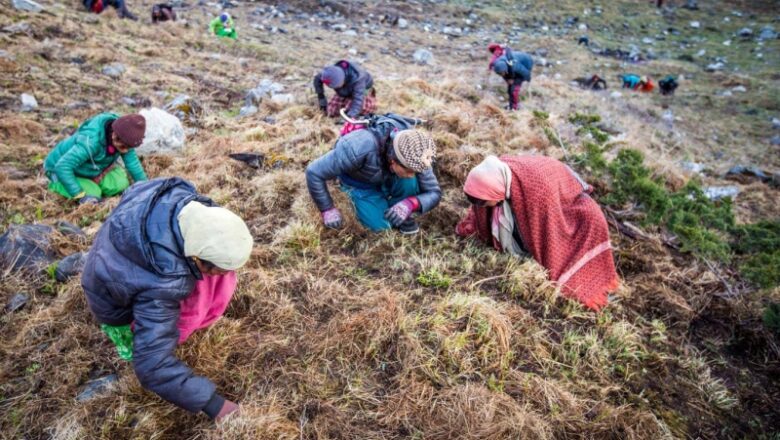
[323, 104]
[89, 200]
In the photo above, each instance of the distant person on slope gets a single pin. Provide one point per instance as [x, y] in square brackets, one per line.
[636, 82]
[668, 85]
[539, 206]
[161, 267]
[354, 89]
[386, 170]
[223, 26]
[163, 12]
[515, 68]
[496, 50]
[83, 167]
[98, 6]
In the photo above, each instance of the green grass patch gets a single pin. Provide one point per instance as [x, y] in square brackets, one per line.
[433, 278]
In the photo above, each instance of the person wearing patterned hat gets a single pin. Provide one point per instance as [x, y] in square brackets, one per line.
[354, 89]
[386, 172]
[162, 266]
[83, 167]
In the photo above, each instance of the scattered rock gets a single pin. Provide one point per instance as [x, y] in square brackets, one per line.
[283, 98]
[4, 54]
[695, 24]
[350, 33]
[341, 27]
[247, 110]
[403, 23]
[17, 28]
[721, 192]
[16, 302]
[114, 70]
[27, 5]
[69, 229]
[727, 43]
[693, 5]
[254, 160]
[767, 33]
[714, 67]
[70, 266]
[29, 103]
[96, 387]
[186, 108]
[164, 133]
[776, 123]
[615, 95]
[692, 167]
[738, 171]
[775, 140]
[647, 40]
[452, 31]
[423, 56]
[745, 32]
[26, 248]
[266, 88]
[739, 89]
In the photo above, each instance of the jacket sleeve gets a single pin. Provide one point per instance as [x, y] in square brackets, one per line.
[133, 165]
[336, 162]
[157, 368]
[214, 24]
[430, 192]
[65, 167]
[318, 87]
[358, 96]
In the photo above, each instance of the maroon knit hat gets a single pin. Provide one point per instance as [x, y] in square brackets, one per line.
[130, 129]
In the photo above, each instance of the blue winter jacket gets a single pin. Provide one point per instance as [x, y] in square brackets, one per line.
[361, 156]
[520, 65]
[137, 271]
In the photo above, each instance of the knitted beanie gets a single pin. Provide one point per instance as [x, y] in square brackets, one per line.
[224, 17]
[501, 66]
[215, 234]
[333, 77]
[414, 149]
[130, 129]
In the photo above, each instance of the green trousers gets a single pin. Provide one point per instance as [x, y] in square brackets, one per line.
[113, 183]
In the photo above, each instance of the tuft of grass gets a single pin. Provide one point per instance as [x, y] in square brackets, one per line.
[433, 278]
[758, 245]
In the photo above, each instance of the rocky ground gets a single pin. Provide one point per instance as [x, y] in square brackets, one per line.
[352, 335]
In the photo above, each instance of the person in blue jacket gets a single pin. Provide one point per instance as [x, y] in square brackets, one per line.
[515, 68]
[386, 172]
[148, 256]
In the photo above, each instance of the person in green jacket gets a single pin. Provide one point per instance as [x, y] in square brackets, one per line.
[222, 26]
[82, 167]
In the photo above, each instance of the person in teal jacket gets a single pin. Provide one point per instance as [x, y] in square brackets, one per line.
[223, 26]
[83, 167]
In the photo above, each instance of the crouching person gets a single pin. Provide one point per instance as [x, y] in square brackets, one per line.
[539, 206]
[162, 266]
[83, 167]
[515, 68]
[386, 172]
[354, 89]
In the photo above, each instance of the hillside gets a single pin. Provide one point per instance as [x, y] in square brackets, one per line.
[348, 334]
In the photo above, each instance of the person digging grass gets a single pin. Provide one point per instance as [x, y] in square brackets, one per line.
[538, 205]
[162, 266]
[515, 68]
[83, 167]
[636, 82]
[223, 26]
[163, 12]
[98, 6]
[354, 89]
[386, 172]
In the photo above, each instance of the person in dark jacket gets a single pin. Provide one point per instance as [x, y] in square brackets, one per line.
[163, 12]
[163, 244]
[83, 167]
[668, 85]
[354, 89]
[515, 68]
[98, 6]
[386, 172]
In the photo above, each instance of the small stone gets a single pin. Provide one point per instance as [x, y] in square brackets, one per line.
[184, 107]
[745, 32]
[17, 28]
[615, 95]
[714, 67]
[247, 110]
[647, 40]
[583, 27]
[701, 53]
[721, 192]
[692, 167]
[114, 70]
[776, 123]
[353, 51]
[283, 98]
[4, 54]
[27, 5]
[96, 387]
[350, 33]
[695, 24]
[26, 248]
[423, 56]
[126, 100]
[727, 43]
[70, 266]
[16, 302]
[403, 23]
[775, 140]
[339, 27]
[748, 170]
[29, 103]
[767, 33]
[165, 133]
[739, 89]
[69, 229]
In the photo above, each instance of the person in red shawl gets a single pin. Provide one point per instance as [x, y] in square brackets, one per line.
[540, 206]
[496, 50]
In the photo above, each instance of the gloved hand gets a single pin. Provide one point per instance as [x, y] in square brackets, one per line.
[332, 218]
[91, 200]
[227, 409]
[323, 104]
[401, 211]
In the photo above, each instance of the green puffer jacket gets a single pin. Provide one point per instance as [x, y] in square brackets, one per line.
[84, 155]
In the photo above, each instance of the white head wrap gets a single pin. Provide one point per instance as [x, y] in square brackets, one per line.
[216, 235]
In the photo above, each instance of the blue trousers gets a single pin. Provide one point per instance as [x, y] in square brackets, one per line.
[370, 204]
